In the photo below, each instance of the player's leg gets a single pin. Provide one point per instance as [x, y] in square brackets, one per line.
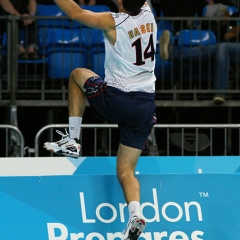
[127, 158]
[69, 145]
[76, 97]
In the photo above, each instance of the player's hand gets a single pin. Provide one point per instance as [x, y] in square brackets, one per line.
[27, 21]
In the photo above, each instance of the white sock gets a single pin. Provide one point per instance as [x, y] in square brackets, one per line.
[75, 127]
[134, 209]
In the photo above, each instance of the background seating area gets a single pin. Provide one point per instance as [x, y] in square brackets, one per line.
[65, 44]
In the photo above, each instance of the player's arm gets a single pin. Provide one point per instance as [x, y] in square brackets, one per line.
[8, 7]
[103, 20]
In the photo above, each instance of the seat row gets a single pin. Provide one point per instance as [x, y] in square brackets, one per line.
[65, 49]
[66, 44]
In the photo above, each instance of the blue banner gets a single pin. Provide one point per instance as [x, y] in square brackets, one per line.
[92, 207]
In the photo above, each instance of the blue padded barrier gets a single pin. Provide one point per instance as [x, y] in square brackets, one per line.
[163, 165]
[177, 203]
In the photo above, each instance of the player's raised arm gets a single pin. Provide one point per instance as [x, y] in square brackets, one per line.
[91, 19]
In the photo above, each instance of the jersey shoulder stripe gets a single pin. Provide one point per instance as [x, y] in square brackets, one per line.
[120, 18]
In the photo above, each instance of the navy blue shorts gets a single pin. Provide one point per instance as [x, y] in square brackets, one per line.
[134, 112]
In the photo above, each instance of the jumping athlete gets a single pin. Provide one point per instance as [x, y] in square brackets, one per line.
[125, 96]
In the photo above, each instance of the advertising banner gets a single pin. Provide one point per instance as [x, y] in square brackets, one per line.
[59, 198]
[92, 207]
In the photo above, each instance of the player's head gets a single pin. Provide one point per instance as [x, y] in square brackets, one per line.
[133, 6]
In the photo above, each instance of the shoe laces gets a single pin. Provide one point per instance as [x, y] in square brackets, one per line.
[62, 134]
[129, 222]
[66, 136]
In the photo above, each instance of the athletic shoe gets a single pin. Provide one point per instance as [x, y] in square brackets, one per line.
[66, 146]
[134, 229]
[164, 45]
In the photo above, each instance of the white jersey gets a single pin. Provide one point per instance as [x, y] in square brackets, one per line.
[129, 64]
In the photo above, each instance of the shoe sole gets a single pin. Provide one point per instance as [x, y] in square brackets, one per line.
[60, 152]
[218, 100]
[137, 229]
[164, 45]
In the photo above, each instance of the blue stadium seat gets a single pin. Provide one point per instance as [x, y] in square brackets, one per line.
[66, 50]
[61, 64]
[165, 25]
[4, 44]
[96, 40]
[231, 10]
[55, 39]
[51, 11]
[97, 50]
[196, 37]
[197, 70]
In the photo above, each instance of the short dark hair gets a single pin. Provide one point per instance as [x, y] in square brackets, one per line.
[133, 6]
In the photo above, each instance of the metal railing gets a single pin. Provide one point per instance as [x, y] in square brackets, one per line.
[12, 133]
[165, 140]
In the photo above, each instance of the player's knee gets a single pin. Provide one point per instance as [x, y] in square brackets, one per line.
[124, 173]
[76, 72]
